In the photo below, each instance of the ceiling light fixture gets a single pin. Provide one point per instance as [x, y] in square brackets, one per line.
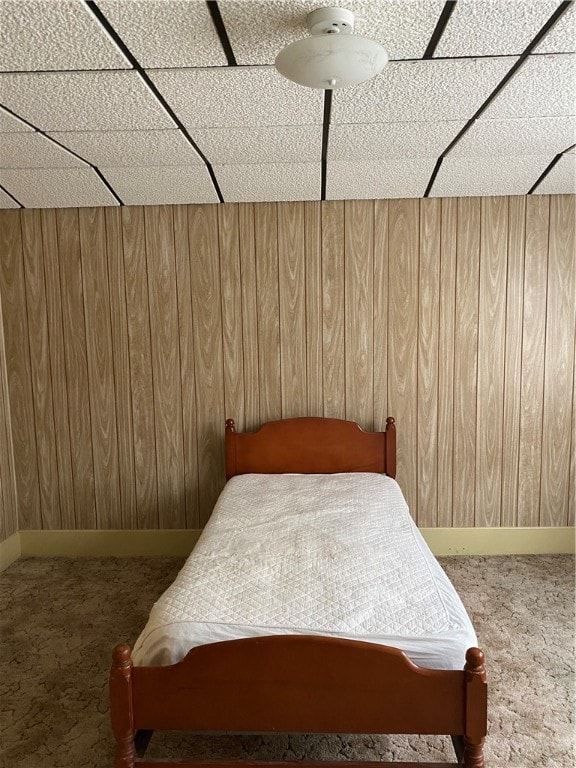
[333, 57]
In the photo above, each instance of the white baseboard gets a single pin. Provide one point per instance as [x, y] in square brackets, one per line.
[9, 550]
[500, 541]
[179, 543]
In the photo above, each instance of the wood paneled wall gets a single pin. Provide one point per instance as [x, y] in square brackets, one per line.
[132, 333]
[8, 512]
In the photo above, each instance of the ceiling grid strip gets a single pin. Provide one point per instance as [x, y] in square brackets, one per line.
[558, 13]
[93, 7]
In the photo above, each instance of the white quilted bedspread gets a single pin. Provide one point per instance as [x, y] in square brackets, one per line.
[317, 554]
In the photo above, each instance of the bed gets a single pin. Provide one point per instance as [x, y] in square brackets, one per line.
[321, 650]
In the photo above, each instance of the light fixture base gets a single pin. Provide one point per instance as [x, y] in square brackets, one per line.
[330, 21]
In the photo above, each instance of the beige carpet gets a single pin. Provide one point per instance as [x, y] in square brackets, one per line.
[60, 619]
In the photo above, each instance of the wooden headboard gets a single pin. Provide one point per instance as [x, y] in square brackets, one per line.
[310, 445]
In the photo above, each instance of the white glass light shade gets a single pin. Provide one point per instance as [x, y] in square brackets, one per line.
[331, 61]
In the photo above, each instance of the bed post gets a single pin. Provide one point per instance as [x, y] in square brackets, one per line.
[230, 448]
[121, 706]
[390, 447]
[476, 709]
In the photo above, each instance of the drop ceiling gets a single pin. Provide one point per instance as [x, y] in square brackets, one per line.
[144, 102]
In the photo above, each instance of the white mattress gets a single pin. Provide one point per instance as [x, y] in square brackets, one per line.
[335, 555]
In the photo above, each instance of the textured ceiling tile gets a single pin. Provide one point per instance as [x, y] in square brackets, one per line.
[156, 186]
[41, 35]
[561, 180]
[479, 176]
[124, 148]
[519, 136]
[6, 201]
[544, 86]
[234, 96]
[421, 91]
[83, 101]
[378, 181]
[493, 27]
[56, 187]
[169, 33]
[32, 150]
[258, 31]
[262, 183]
[282, 144]
[10, 123]
[562, 36]
[363, 143]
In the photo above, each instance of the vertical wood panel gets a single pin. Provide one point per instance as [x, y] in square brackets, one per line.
[15, 322]
[465, 361]
[139, 345]
[121, 356]
[61, 422]
[100, 365]
[266, 251]
[428, 339]
[187, 367]
[461, 326]
[559, 362]
[334, 384]
[39, 366]
[76, 365]
[359, 310]
[380, 325]
[205, 274]
[533, 336]
[513, 358]
[165, 365]
[491, 307]
[8, 498]
[232, 326]
[403, 216]
[313, 280]
[250, 336]
[292, 297]
[447, 361]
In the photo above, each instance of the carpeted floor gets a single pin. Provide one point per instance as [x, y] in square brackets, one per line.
[60, 619]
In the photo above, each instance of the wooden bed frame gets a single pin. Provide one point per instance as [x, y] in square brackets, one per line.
[299, 683]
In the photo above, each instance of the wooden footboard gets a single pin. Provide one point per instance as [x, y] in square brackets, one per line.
[298, 684]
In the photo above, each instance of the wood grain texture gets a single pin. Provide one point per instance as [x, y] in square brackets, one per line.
[465, 350]
[404, 227]
[359, 310]
[17, 347]
[131, 334]
[232, 326]
[380, 315]
[313, 289]
[140, 352]
[8, 497]
[250, 336]
[428, 343]
[334, 383]
[76, 368]
[533, 360]
[187, 365]
[448, 463]
[490, 404]
[100, 365]
[268, 308]
[559, 361]
[51, 248]
[121, 358]
[32, 250]
[292, 298]
[163, 299]
[206, 302]
[513, 358]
